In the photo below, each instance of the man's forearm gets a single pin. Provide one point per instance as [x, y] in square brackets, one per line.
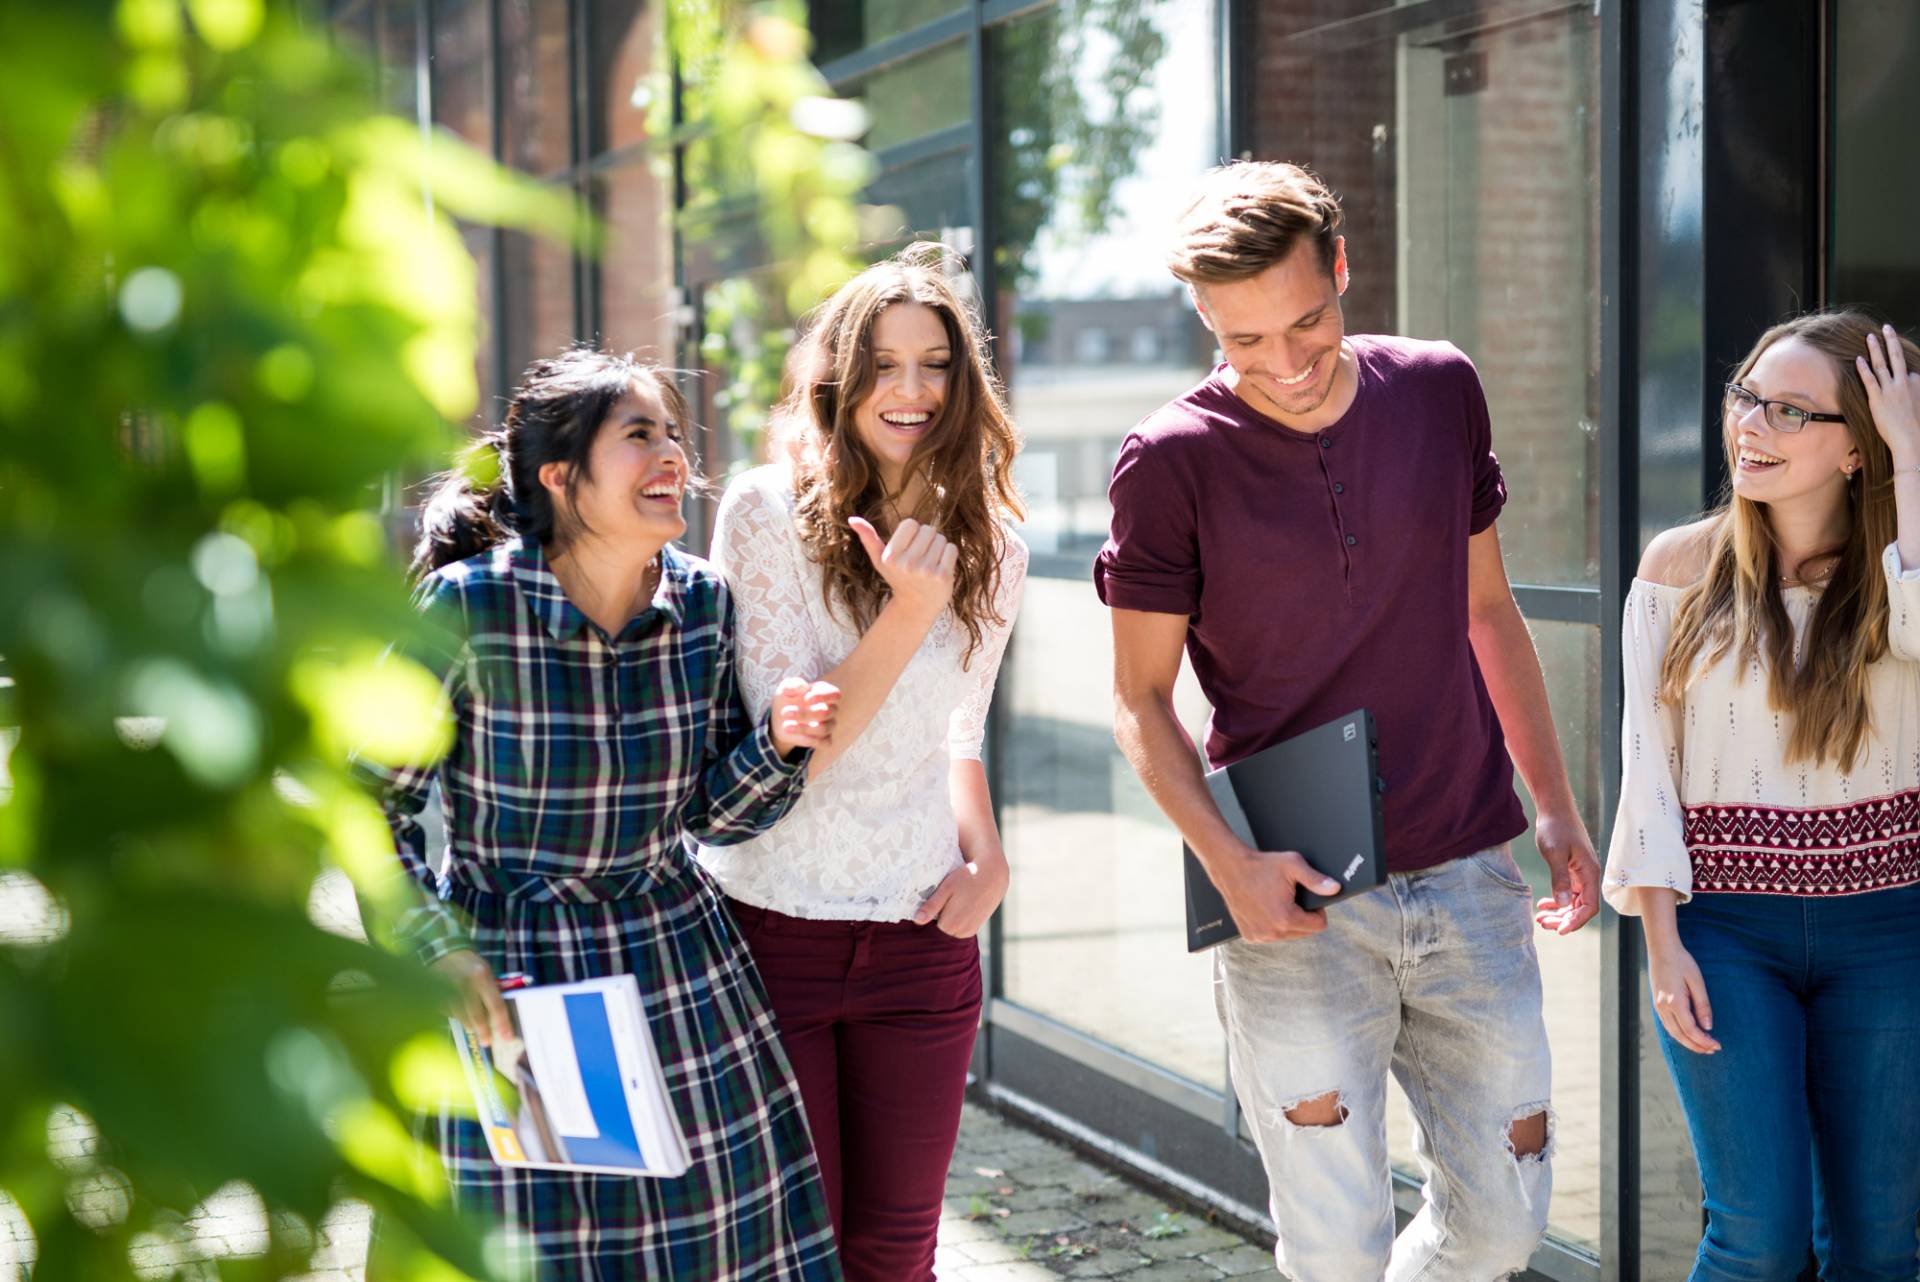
[1164, 756]
[1511, 668]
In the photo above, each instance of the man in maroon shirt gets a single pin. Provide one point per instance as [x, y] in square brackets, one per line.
[1314, 525]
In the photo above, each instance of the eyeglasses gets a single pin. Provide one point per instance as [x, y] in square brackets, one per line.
[1781, 417]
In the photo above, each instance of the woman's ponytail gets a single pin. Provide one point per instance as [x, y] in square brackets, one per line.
[460, 520]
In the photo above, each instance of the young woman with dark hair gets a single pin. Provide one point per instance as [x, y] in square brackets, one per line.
[1769, 827]
[590, 668]
[878, 552]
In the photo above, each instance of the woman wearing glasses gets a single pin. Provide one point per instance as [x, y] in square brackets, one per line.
[1769, 827]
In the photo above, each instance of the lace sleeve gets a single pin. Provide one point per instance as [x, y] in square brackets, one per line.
[967, 729]
[755, 547]
[1649, 829]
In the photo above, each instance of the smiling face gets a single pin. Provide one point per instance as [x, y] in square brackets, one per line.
[1771, 466]
[1281, 332]
[911, 361]
[635, 477]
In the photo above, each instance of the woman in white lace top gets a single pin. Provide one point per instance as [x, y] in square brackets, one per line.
[878, 550]
[1769, 825]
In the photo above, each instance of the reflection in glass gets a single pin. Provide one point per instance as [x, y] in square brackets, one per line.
[1876, 257]
[538, 311]
[399, 33]
[1101, 121]
[1462, 138]
[535, 95]
[846, 26]
[621, 58]
[462, 71]
[636, 266]
[918, 97]
[1466, 151]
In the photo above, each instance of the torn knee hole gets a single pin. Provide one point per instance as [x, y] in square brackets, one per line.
[1528, 1135]
[1321, 1110]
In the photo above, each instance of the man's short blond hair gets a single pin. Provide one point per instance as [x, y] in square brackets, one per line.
[1247, 216]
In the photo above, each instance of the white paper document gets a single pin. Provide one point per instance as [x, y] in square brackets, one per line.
[580, 1087]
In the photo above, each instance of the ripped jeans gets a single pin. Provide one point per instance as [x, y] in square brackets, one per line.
[1434, 977]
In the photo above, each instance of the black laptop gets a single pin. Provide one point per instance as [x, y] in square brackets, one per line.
[1317, 793]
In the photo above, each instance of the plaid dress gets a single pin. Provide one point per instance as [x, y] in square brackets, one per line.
[578, 764]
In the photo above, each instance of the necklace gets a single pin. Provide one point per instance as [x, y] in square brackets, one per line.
[1831, 560]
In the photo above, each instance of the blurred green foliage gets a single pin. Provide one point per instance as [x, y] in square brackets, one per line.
[763, 141]
[227, 319]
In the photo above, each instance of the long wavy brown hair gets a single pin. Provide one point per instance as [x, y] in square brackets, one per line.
[966, 455]
[1736, 607]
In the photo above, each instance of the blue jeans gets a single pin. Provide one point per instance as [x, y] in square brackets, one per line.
[1806, 1124]
[1433, 977]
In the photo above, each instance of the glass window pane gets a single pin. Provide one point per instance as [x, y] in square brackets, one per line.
[637, 297]
[1102, 117]
[621, 58]
[931, 194]
[845, 27]
[399, 48]
[537, 289]
[918, 97]
[462, 71]
[479, 242]
[1876, 260]
[536, 94]
[1463, 139]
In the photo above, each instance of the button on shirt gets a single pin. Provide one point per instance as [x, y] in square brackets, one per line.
[1327, 572]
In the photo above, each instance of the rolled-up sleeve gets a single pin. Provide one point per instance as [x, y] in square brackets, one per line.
[1489, 482]
[1151, 560]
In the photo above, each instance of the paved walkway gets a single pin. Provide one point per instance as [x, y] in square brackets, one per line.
[1019, 1208]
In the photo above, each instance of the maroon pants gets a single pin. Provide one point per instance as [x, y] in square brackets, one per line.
[878, 1019]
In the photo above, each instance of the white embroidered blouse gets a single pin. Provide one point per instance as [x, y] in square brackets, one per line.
[874, 833]
[1708, 802]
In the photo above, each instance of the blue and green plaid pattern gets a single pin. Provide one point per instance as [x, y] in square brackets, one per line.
[580, 763]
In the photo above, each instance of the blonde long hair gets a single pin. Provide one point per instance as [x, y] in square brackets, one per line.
[966, 455]
[1737, 608]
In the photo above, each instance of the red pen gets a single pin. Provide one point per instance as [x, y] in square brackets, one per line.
[514, 979]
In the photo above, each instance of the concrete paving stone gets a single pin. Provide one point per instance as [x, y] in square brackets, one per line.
[961, 1184]
[1011, 1271]
[957, 1227]
[1240, 1261]
[1128, 1206]
[1049, 1222]
[1175, 1271]
[992, 1251]
[1053, 1169]
[1108, 1264]
[1199, 1239]
[1043, 1198]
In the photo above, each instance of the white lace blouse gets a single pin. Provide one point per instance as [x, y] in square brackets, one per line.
[1708, 802]
[874, 833]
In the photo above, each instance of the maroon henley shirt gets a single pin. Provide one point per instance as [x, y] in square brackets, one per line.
[1324, 572]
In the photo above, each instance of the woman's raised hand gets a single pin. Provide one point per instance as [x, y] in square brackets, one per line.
[802, 714]
[1893, 393]
[917, 563]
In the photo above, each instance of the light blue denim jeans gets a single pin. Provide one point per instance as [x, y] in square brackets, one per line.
[1434, 978]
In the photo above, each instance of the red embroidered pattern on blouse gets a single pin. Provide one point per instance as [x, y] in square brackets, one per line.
[1824, 850]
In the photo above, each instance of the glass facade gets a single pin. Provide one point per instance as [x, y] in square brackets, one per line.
[1095, 335]
[1464, 143]
[1524, 178]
